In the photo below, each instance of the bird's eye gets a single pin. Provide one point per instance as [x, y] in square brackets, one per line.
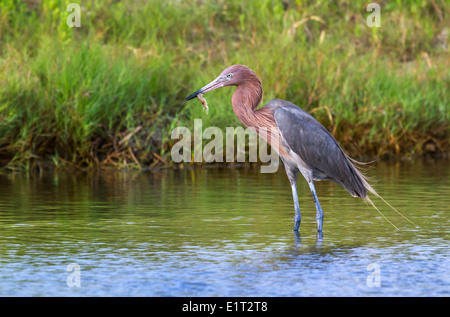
[230, 75]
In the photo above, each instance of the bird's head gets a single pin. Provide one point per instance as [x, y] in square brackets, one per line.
[233, 75]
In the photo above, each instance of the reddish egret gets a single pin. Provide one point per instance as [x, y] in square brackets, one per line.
[305, 145]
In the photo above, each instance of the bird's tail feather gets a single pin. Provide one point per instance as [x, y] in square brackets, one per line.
[369, 188]
[382, 215]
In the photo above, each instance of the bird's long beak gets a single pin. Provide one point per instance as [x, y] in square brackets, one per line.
[216, 83]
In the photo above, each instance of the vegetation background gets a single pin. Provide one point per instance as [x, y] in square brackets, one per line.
[110, 92]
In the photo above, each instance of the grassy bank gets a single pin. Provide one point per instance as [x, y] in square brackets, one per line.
[111, 91]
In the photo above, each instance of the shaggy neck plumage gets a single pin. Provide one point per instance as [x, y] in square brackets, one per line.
[245, 100]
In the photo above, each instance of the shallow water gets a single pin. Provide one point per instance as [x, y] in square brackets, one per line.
[222, 232]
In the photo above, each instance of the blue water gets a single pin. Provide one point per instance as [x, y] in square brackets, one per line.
[222, 232]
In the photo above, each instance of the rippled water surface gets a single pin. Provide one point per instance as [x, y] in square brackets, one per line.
[222, 232]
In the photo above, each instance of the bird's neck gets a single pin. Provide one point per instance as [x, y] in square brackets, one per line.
[245, 100]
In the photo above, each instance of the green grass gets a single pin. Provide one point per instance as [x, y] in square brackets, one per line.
[110, 92]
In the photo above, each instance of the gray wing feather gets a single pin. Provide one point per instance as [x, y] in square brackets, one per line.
[317, 147]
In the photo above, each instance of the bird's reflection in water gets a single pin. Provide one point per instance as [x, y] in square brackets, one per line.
[298, 239]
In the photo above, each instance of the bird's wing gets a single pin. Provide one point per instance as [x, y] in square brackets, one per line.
[314, 145]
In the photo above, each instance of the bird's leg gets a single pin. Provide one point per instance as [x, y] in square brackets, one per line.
[298, 216]
[297, 239]
[319, 212]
